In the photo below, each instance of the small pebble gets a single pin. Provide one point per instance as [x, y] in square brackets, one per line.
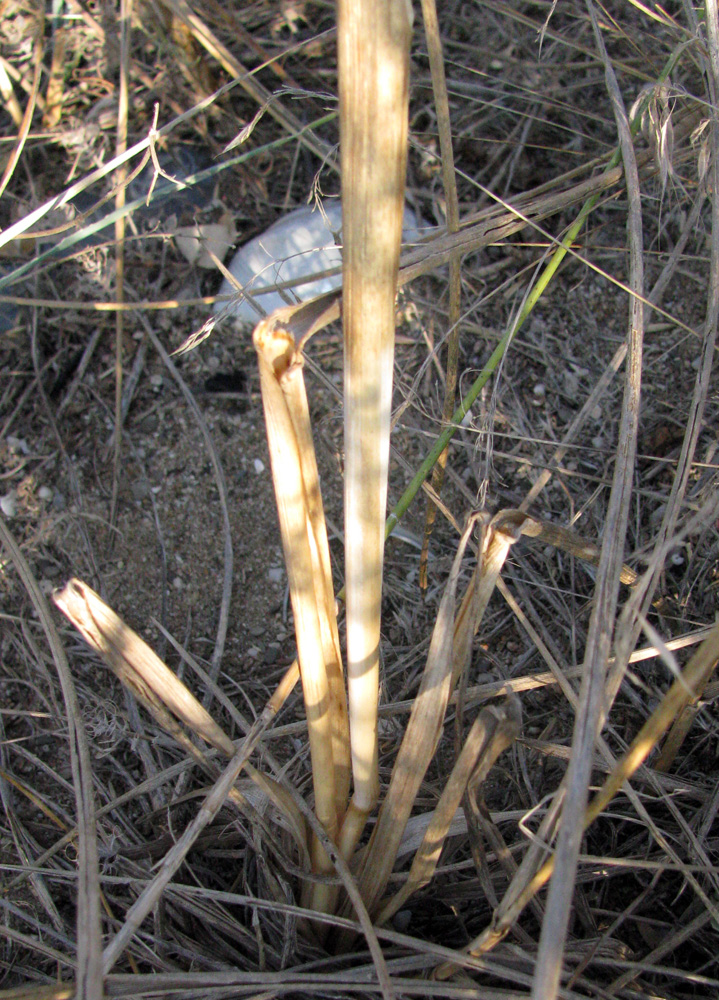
[45, 494]
[259, 466]
[8, 504]
[49, 570]
[177, 583]
[275, 574]
[18, 445]
[140, 489]
[149, 424]
[156, 381]
[656, 515]
[539, 392]
[401, 921]
[271, 653]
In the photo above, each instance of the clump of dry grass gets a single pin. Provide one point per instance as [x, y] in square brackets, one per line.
[579, 269]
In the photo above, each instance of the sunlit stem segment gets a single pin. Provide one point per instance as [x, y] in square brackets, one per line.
[304, 540]
[373, 55]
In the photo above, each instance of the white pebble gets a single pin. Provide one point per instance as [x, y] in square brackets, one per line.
[259, 466]
[18, 445]
[45, 493]
[275, 574]
[8, 504]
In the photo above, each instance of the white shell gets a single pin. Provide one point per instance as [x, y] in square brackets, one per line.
[296, 247]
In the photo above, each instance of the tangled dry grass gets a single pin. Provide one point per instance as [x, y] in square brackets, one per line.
[601, 417]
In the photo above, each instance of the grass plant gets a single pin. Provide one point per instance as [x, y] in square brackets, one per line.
[399, 830]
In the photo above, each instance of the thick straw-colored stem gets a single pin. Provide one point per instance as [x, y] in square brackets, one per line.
[304, 542]
[296, 397]
[373, 55]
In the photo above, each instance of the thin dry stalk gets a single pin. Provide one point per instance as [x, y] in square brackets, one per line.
[89, 941]
[596, 656]
[373, 58]
[121, 177]
[449, 181]
[219, 474]
[181, 10]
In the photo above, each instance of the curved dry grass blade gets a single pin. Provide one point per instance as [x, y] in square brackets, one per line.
[425, 721]
[568, 541]
[693, 678]
[503, 530]
[26, 121]
[494, 729]
[134, 663]
[164, 695]
[89, 970]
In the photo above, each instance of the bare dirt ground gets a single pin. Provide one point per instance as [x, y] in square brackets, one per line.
[178, 538]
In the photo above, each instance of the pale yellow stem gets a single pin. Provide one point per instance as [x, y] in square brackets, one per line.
[373, 56]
